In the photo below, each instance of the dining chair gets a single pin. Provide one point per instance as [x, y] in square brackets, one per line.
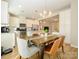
[55, 33]
[24, 50]
[52, 49]
[62, 43]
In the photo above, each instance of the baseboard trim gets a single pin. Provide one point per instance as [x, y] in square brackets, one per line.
[74, 46]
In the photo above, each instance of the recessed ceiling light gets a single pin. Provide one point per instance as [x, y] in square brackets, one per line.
[20, 6]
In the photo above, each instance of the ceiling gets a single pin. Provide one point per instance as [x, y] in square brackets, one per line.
[32, 8]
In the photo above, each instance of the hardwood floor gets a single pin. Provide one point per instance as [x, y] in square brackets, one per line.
[70, 53]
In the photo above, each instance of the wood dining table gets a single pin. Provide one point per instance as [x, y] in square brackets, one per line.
[43, 41]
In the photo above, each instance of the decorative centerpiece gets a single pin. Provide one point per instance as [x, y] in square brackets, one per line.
[46, 30]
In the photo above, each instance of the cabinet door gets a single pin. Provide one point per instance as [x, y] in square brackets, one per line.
[4, 12]
[7, 40]
[65, 24]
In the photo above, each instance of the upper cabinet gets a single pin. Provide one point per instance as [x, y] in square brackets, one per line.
[4, 13]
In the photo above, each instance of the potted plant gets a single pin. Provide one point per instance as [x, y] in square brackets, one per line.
[46, 30]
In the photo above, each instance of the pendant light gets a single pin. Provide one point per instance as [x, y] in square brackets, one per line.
[46, 13]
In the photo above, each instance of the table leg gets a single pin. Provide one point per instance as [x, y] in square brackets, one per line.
[42, 51]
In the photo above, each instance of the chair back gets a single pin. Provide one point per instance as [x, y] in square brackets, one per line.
[23, 48]
[62, 41]
[55, 46]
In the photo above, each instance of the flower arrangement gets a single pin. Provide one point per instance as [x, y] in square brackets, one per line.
[46, 29]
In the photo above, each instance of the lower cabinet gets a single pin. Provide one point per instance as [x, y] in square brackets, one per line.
[7, 40]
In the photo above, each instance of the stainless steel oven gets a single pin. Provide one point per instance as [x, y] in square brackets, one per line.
[5, 29]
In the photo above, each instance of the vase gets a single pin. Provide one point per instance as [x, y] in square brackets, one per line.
[45, 36]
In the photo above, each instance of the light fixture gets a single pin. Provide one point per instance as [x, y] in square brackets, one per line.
[20, 6]
[45, 12]
[50, 13]
[40, 14]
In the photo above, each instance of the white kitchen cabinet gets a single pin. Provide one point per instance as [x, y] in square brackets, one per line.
[7, 40]
[65, 24]
[4, 12]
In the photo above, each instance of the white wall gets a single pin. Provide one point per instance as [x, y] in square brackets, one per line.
[69, 24]
[65, 24]
[74, 23]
